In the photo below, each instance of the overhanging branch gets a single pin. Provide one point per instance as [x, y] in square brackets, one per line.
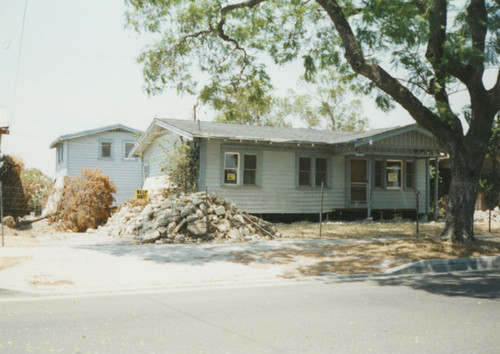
[220, 26]
[384, 80]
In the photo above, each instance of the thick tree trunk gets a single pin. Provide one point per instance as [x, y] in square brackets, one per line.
[461, 201]
[466, 163]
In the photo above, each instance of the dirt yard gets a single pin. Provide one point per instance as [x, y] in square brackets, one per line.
[365, 248]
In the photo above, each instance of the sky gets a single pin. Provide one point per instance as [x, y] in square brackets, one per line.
[76, 69]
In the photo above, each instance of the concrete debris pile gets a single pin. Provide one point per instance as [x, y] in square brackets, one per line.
[182, 218]
[483, 216]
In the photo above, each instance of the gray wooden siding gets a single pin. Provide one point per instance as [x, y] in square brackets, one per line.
[277, 192]
[409, 140]
[155, 157]
[403, 198]
[126, 174]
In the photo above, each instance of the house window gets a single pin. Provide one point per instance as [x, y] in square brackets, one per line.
[127, 148]
[358, 181]
[304, 171]
[313, 171]
[321, 172]
[393, 174]
[379, 174]
[249, 169]
[60, 153]
[410, 174]
[231, 166]
[105, 149]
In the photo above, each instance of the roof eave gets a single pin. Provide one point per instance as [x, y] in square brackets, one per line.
[146, 139]
[83, 133]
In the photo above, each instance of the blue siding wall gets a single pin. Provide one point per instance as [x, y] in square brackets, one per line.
[125, 173]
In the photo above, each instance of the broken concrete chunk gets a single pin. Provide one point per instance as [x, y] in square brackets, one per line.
[220, 210]
[197, 228]
[150, 236]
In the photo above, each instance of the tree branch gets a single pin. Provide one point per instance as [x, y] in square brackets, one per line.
[192, 35]
[494, 93]
[435, 50]
[220, 25]
[384, 80]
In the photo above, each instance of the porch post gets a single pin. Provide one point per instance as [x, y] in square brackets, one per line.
[427, 187]
[369, 189]
[436, 184]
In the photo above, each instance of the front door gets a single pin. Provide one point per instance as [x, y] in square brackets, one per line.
[359, 181]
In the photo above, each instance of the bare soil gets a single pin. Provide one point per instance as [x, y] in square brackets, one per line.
[384, 245]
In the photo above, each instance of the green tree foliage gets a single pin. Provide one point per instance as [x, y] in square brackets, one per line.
[416, 53]
[85, 202]
[330, 103]
[35, 185]
[181, 164]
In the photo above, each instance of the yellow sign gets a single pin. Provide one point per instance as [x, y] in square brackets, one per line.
[231, 176]
[392, 177]
[141, 194]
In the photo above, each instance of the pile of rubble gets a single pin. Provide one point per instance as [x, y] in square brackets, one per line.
[483, 216]
[184, 218]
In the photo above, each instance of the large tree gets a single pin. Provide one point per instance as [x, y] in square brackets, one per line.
[416, 52]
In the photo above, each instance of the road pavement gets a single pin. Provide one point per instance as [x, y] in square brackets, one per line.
[442, 313]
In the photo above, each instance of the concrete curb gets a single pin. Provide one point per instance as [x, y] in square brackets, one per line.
[446, 265]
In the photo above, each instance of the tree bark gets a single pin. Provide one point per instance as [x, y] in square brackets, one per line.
[460, 205]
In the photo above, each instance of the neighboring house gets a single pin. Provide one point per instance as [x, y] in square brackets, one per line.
[4, 125]
[275, 170]
[104, 148]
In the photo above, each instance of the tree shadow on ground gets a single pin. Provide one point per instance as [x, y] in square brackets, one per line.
[479, 284]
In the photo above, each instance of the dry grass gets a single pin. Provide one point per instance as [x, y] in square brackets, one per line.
[357, 230]
[7, 262]
[45, 280]
[373, 256]
[365, 257]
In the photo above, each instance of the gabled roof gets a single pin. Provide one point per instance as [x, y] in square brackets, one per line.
[115, 127]
[209, 130]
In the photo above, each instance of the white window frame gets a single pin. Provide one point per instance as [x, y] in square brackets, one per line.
[237, 168]
[125, 157]
[401, 176]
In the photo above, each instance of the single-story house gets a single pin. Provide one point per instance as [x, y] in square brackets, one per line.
[107, 148]
[272, 170]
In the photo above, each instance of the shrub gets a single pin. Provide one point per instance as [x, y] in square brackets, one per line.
[86, 201]
[182, 166]
[14, 200]
[36, 185]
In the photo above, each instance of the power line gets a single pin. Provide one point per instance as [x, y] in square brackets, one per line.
[18, 62]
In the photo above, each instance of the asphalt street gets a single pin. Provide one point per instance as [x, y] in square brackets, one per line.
[441, 313]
